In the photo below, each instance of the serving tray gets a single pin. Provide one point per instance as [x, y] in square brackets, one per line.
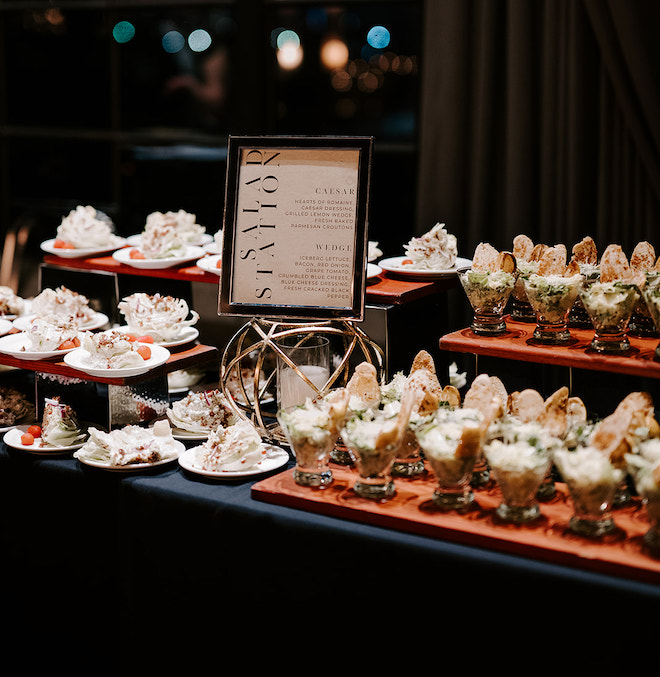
[517, 343]
[411, 510]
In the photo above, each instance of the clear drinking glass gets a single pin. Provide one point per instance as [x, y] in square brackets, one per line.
[651, 295]
[592, 482]
[521, 308]
[646, 475]
[310, 355]
[373, 445]
[609, 306]
[519, 469]
[408, 461]
[452, 448]
[552, 298]
[488, 293]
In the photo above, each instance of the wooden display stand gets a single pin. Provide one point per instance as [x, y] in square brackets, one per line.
[411, 510]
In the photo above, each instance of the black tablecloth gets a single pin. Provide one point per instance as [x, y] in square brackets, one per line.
[112, 573]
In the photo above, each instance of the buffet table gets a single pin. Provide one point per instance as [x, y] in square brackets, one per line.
[396, 309]
[95, 561]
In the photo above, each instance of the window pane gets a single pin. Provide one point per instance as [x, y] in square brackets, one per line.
[58, 68]
[174, 68]
[346, 70]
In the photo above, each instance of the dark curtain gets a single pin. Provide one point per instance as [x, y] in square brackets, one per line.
[541, 117]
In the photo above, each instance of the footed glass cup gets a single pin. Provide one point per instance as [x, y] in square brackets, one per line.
[651, 295]
[408, 461]
[519, 483]
[374, 467]
[552, 298]
[592, 482]
[312, 456]
[646, 475]
[610, 306]
[488, 294]
[453, 490]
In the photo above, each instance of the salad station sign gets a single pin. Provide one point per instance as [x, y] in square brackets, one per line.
[295, 227]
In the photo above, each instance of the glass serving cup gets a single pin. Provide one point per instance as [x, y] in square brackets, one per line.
[609, 306]
[578, 316]
[312, 430]
[408, 461]
[488, 293]
[552, 298]
[521, 308]
[451, 456]
[519, 469]
[646, 475]
[592, 482]
[311, 449]
[373, 446]
[651, 295]
[641, 321]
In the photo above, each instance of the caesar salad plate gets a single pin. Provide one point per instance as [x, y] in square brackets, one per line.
[187, 335]
[124, 256]
[96, 321]
[210, 264]
[275, 458]
[79, 359]
[17, 345]
[79, 253]
[12, 438]
[396, 266]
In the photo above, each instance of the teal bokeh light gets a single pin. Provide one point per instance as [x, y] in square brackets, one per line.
[378, 37]
[173, 42]
[124, 31]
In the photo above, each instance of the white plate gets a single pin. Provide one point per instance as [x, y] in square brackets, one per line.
[13, 344]
[48, 247]
[5, 326]
[13, 439]
[79, 359]
[132, 467]
[202, 241]
[394, 265]
[97, 321]
[187, 335]
[123, 256]
[208, 263]
[275, 458]
[213, 247]
[373, 270]
[187, 435]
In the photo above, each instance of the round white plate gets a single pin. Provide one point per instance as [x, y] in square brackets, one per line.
[213, 247]
[373, 270]
[187, 335]
[131, 467]
[13, 439]
[5, 326]
[97, 321]
[79, 359]
[209, 264]
[395, 265]
[123, 256]
[275, 458]
[48, 246]
[203, 240]
[14, 344]
[187, 435]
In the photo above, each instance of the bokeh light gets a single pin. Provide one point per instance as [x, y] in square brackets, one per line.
[334, 53]
[378, 37]
[287, 38]
[173, 42]
[289, 56]
[124, 31]
[199, 40]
